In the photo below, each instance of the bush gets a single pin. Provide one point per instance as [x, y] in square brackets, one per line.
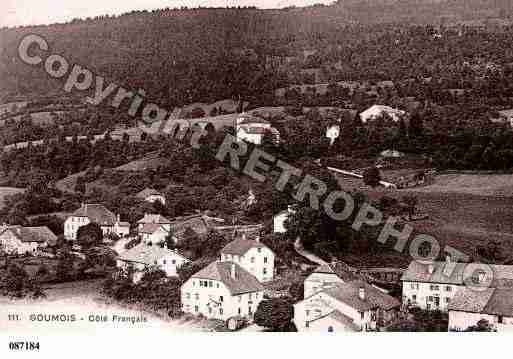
[275, 314]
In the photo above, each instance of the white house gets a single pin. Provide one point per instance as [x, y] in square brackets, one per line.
[151, 195]
[326, 275]
[505, 116]
[470, 306]
[144, 257]
[253, 129]
[350, 306]
[433, 285]
[222, 290]
[25, 240]
[153, 233]
[94, 213]
[377, 111]
[252, 255]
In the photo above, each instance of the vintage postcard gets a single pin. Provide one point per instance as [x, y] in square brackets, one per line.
[255, 166]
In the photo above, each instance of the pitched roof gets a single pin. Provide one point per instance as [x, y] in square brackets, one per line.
[145, 254]
[342, 270]
[240, 246]
[150, 228]
[154, 218]
[502, 275]
[339, 317]
[199, 223]
[145, 193]
[487, 301]
[248, 119]
[96, 213]
[32, 234]
[348, 293]
[244, 282]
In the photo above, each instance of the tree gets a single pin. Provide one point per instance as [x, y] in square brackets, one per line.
[64, 271]
[275, 314]
[481, 326]
[411, 204]
[90, 235]
[372, 177]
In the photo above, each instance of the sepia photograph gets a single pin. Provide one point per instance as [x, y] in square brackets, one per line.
[331, 170]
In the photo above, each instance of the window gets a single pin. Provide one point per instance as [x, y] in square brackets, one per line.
[209, 310]
[412, 285]
[307, 312]
[434, 287]
[265, 270]
[210, 284]
[430, 299]
[221, 298]
[250, 311]
[447, 300]
[330, 329]
[164, 261]
[220, 311]
[188, 295]
[307, 324]
[173, 261]
[259, 250]
[240, 298]
[155, 262]
[239, 311]
[265, 259]
[196, 308]
[197, 296]
[201, 283]
[249, 296]
[500, 319]
[252, 259]
[414, 298]
[448, 288]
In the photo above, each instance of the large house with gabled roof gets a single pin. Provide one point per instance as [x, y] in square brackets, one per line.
[328, 274]
[94, 213]
[252, 255]
[345, 306]
[222, 290]
[151, 195]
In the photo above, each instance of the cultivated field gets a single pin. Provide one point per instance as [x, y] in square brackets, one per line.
[7, 191]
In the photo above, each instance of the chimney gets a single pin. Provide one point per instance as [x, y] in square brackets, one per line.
[232, 271]
[361, 293]
[431, 268]
[244, 236]
[118, 218]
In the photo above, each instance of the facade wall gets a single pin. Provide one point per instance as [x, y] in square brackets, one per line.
[322, 304]
[215, 301]
[71, 226]
[10, 244]
[279, 222]
[424, 295]
[327, 325]
[155, 198]
[459, 321]
[257, 261]
[156, 237]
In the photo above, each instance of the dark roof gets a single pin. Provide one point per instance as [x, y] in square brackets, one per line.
[487, 301]
[419, 272]
[244, 282]
[145, 254]
[342, 270]
[154, 218]
[96, 213]
[145, 193]
[248, 119]
[348, 293]
[32, 234]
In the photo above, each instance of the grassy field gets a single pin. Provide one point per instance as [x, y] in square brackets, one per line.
[465, 211]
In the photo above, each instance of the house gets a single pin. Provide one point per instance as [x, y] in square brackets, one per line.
[434, 285]
[492, 304]
[200, 223]
[153, 233]
[391, 154]
[349, 306]
[23, 240]
[222, 290]
[377, 111]
[253, 129]
[154, 219]
[144, 257]
[252, 255]
[326, 275]
[151, 195]
[94, 213]
[280, 218]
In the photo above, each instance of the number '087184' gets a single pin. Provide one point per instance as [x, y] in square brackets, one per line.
[29, 346]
